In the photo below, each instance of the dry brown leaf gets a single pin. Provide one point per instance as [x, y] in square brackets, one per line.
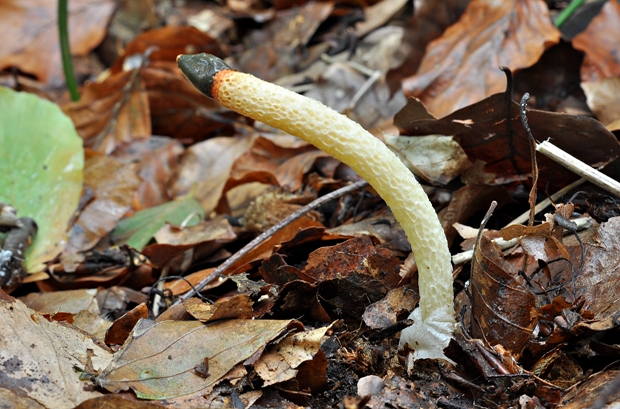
[39, 358]
[72, 301]
[206, 167]
[204, 240]
[176, 358]
[119, 331]
[270, 53]
[600, 44]
[604, 99]
[271, 160]
[543, 242]
[339, 83]
[274, 205]
[377, 15]
[114, 185]
[598, 283]
[461, 67]
[29, 33]
[495, 291]
[436, 158]
[112, 113]
[586, 393]
[382, 225]
[281, 360]
[236, 307]
[158, 159]
[116, 401]
[397, 303]
[468, 200]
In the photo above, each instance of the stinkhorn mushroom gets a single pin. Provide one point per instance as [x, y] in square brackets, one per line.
[348, 142]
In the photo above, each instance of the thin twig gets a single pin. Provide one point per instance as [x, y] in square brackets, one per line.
[578, 167]
[264, 236]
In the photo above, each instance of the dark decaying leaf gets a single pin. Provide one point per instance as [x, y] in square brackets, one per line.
[495, 293]
[353, 274]
[491, 131]
[460, 67]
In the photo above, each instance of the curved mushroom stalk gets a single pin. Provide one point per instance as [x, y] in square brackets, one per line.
[348, 142]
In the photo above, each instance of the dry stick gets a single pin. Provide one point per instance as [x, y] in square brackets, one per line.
[264, 236]
[465, 256]
[582, 169]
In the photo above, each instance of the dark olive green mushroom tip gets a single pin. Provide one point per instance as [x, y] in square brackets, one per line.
[199, 69]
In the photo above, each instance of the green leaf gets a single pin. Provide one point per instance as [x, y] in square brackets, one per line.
[41, 169]
[137, 231]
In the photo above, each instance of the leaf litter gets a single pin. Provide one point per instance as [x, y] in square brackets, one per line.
[316, 307]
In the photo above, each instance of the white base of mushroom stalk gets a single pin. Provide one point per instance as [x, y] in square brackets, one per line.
[348, 142]
[428, 337]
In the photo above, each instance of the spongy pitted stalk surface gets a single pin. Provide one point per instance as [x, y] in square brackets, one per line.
[347, 141]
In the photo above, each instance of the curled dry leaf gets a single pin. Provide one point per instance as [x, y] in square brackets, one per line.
[495, 292]
[539, 241]
[281, 360]
[460, 67]
[236, 307]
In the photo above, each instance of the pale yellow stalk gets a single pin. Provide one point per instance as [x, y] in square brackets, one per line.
[347, 141]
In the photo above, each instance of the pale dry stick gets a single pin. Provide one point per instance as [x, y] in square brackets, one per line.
[267, 234]
[347, 141]
[582, 169]
[465, 256]
[160, 287]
